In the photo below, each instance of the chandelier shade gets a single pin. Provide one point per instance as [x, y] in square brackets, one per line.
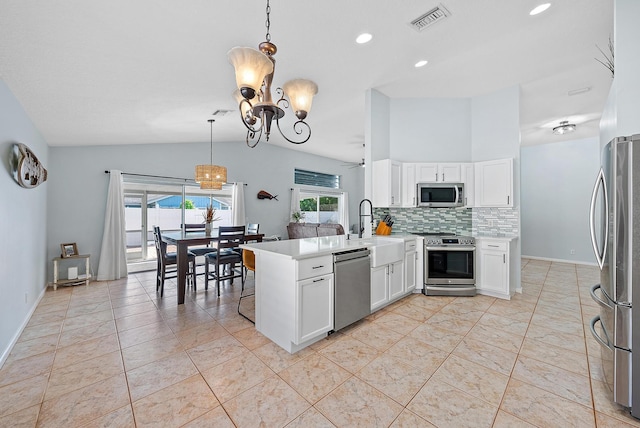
[254, 70]
[211, 176]
[251, 67]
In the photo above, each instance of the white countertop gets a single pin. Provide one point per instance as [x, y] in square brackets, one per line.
[313, 247]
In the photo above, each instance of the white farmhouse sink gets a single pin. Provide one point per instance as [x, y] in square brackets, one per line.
[384, 252]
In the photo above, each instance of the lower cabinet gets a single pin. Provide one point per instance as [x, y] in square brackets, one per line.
[314, 307]
[494, 258]
[387, 284]
[410, 263]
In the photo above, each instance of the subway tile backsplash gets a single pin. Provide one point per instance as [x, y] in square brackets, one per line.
[460, 221]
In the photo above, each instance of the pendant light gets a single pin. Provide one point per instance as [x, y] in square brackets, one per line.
[211, 176]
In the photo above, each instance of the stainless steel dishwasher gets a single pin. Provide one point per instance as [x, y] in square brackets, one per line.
[352, 270]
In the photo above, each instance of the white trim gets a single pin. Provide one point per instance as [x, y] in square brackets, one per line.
[547, 259]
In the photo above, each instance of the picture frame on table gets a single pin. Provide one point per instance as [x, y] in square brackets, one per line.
[69, 250]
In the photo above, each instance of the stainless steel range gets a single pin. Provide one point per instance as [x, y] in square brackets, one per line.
[449, 265]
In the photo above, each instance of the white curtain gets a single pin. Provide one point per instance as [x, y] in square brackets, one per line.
[295, 202]
[113, 254]
[344, 215]
[237, 202]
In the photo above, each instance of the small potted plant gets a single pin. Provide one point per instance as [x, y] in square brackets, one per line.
[297, 216]
[209, 217]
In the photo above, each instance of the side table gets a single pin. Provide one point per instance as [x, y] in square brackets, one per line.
[81, 277]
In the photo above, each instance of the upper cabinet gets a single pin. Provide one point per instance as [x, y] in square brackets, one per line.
[469, 180]
[438, 173]
[494, 183]
[387, 183]
[409, 189]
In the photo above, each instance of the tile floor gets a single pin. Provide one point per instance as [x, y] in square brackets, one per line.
[113, 354]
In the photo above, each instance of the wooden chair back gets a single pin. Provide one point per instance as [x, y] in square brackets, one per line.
[230, 237]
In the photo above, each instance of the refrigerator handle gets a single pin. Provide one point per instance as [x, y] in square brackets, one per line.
[598, 300]
[596, 336]
[600, 255]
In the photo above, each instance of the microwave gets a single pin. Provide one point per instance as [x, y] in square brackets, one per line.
[440, 195]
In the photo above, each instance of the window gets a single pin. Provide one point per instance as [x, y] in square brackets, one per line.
[149, 204]
[310, 178]
[320, 208]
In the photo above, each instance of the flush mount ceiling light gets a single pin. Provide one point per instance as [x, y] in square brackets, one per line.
[564, 128]
[254, 74]
[539, 9]
[211, 176]
[421, 63]
[364, 38]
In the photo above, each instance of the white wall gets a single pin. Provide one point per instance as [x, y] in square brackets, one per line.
[557, 182]
[430, 129]
[78, 184]
[23, 216]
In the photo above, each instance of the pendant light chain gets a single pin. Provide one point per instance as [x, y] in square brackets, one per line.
[268, 22]
[211, 147]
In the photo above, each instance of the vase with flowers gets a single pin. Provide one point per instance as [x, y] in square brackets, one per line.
[209, 217]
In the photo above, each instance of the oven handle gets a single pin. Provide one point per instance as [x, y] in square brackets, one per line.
[450, 248]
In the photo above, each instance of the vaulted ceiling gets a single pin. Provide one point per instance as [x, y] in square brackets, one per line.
[153, 71]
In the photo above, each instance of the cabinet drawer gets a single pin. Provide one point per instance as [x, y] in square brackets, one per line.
[494, 245]
[410, 245]
[316, 266]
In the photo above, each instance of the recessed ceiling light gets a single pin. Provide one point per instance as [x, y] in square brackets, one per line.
[539, 9]
[421, 63]
[364, 38]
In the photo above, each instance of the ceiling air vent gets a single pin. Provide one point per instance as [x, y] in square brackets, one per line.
[436, 14]
[220, 113]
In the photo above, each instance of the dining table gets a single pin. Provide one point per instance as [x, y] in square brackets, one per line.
[183, 240]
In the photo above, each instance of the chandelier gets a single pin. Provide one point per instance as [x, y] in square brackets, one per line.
[564, 128]
[254, 75]
[211, 176]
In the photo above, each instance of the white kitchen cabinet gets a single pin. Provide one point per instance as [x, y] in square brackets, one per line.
[494, 183]
[410, 263]
[438, 173]
[314, 307]
[469, 179]
[409, 189]
[493, 276]
[387, 183]
[387, 284]
[420, 262]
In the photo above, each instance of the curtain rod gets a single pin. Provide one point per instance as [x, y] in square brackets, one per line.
[188, 180]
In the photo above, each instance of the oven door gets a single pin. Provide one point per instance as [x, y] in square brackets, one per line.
[450, 265]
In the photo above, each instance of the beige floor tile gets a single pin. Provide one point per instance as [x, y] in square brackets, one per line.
[573, 361]
[176, 404]
[22, 394]
[415, 312]
[159, 374]
[437, 337]
[38, 318]
[202, 333]
[139, 320]
[188, 320]
[16, 370]
[486, 355]
[129, 300]
[311, 418]
[355, 403]
[87, 319]
[566, 341]
[376, 336]
[605, 421]
[543, 408]
[91, 331]
[145, 333]
[603, 402]
[76, 376]
[397, 322]
[498, 338]
[474, 379]
[148, 352]
[432, 303]
[85, 350]
[450, 323]
[564, 325]
[216, 418]
[418, 354]
[408, 419]
[505, 420]
[443, 405]
[251, 338]
[216, 352]
[86, 404]
[467, 312]
[120, 418]
[270, 403]
[234, 323]
[277, 358]
[505, 324]
[138, 308]
[29, 348]
[393, 377]
[314, 377]
[25, 418]
[349, 353]
[89, 308]
[235, 376]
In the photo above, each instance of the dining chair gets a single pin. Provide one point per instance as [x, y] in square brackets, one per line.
[252, 228]
[249, 262]
[168, 263]
[225, 259]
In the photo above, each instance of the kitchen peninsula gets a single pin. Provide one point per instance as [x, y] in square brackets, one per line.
[294, 285]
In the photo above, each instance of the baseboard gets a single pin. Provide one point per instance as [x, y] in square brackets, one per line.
[547, 259]
[14, 339]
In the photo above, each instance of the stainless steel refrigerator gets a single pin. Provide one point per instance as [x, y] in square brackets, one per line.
[615, 235]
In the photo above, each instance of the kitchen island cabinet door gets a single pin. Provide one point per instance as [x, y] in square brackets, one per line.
[379, 287]
[396, 280]
[315, 307]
